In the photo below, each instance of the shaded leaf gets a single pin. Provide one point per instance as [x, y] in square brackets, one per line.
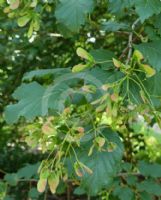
[147, 8]
[104, 165]
[73, 13]
[12, 179]
[150, 187]
[151, 52]
[113, 26]
[151, 170]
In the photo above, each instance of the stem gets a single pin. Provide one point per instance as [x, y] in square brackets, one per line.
[27, 180]
[131, 40]
[88, 198]
[46, 193]
[129, 174]
[68, 191]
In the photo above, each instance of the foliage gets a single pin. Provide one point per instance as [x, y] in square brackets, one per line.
[92, 111]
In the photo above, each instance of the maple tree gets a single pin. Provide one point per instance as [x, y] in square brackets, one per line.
[85, 82]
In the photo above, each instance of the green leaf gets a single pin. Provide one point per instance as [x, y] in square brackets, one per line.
[124, 193]
[12, 179]
[131, 180]
[33, 193]
[103, 57]
[151, 52]
[43, 72]
[28, 171]
[118, 6]
[113, 26]
[73, 13]
[3, 189]
[35, 100]
[157, 25]
[79, 191]
[8, 198]
[146, 196]
[104, 165]
[152, 33]
[150, 187]
[153, 85]
[147, 8]
[151, 170]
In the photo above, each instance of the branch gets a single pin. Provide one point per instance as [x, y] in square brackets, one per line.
[131, 41]
[129, 174]
[2, 171]
[124, 52]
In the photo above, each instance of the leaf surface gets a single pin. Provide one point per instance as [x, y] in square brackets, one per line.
[104, 165]
[151, 52]
[147, 8]
[72, 13]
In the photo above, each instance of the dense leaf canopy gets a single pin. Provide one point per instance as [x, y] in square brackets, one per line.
[80, 99]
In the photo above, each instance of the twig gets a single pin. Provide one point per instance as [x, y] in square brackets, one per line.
[129, 174]
[131, 41]
[27, 180]
[124, 53]
[2, 171]
[126, 49]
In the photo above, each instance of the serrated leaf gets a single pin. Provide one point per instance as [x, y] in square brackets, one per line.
[73, 13]
[104, 165]
[151, 52]
[113, 26]
[124, 193]
[43, 72]
[147, 8]
[118, 6]
[28, 171]
[150, 187]
[153, 85]
[131, 180]
[35, 100]
[151, 170]
[12, 179]
[103, 57]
